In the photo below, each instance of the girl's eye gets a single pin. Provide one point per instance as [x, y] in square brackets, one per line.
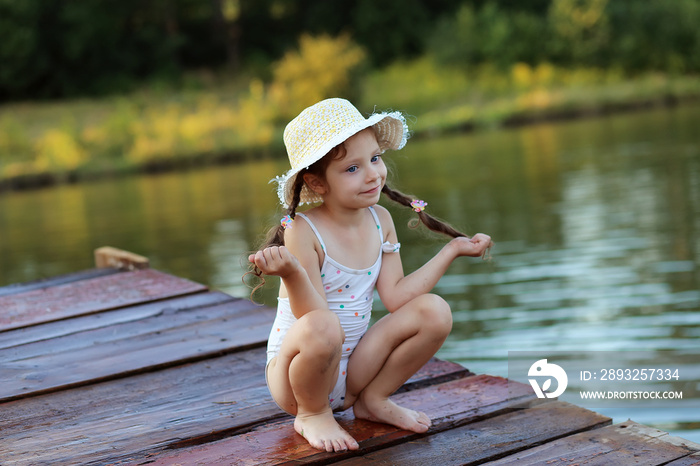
[352, 169]
[376, 158]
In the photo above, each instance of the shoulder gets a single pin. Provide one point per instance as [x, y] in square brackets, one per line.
[301, 241]
[385, 219]
[299, 232]
[382, 213]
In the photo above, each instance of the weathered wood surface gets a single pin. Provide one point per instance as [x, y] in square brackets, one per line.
[54, 333]
[624, 443]
[53, 281]
[690, 460]
[145, 368]
[135, 411]
[489, 439]
[171, 337]
[147, 413]
[139, 414]
[449, 405]
[89, 296]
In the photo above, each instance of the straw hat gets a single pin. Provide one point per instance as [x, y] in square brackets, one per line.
[321, 127]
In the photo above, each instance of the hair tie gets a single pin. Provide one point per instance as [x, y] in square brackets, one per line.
[286, 222]
[418, 205]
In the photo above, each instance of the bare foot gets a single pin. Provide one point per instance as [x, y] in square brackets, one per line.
[323, 432]
[388, 412]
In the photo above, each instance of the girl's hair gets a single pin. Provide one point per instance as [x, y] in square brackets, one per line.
[426, 219]
[275, 236]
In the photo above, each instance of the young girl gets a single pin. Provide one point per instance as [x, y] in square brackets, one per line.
[321, 356]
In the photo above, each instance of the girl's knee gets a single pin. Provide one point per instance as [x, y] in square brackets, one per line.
[436, 313]
[321, 331]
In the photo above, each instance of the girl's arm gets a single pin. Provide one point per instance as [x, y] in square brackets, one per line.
[298, 265]
[395, 289]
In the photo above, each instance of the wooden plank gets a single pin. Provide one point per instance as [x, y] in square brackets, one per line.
[141, 415]
[53, 281]
[449, 405]
[159, 316]
[490, 439]
[434, 372]
[152, 343]
[90, 296]
[146, 412]
[86, 331]
[618, 444]
[690, 460]
[77, 326]
[108, 256]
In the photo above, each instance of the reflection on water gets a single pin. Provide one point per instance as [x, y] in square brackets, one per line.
[596, 224]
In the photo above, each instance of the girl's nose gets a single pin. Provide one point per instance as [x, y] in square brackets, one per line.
[372, 174]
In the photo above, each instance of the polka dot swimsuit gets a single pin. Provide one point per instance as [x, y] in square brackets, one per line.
[349, 293]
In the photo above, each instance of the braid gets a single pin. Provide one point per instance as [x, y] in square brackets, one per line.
[428, 220]
[296, 194]
[275, 236]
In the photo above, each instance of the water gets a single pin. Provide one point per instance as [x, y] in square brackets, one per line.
[596, 222]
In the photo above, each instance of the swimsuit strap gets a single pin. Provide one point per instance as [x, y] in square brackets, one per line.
[379, 224]
[313, 227]
[318, 235]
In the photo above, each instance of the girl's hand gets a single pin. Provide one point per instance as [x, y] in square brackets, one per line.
[275, 260]
[474, 247]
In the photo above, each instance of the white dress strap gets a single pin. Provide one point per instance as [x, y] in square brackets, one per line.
[379, 225]
[387, 247]
[318, 235]
[315, 230]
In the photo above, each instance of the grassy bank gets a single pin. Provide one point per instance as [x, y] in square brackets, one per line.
[448, 99]
[72, 140]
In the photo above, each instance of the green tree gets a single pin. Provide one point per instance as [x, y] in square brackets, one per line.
[580, 31]
[490, 34]
[23, 64]
[656, 34]
[61, 48]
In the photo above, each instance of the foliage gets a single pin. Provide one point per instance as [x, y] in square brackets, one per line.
[58, 150]
[487, 95]
[487, 61]
[323, 67]
[415, 86]
[395, 29]
[127, 134]
[15, 147]
[656, 34]
[580, 29]
[488, 34]
[63, 48]
[140, 132]
[52, 47]
[629, 34]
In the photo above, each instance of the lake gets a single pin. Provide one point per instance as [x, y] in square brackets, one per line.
[596, 224]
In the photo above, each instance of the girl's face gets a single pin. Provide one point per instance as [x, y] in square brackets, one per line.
[356, 180]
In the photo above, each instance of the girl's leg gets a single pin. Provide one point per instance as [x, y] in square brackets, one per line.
[304, 373]
[392, 351]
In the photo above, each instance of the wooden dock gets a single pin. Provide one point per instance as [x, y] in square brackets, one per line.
[112, 366]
